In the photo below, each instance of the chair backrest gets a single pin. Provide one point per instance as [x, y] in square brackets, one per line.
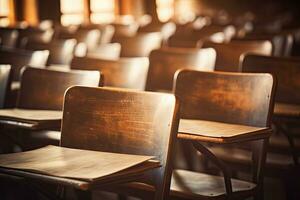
[139, 45]
[20, 58]
[282, 42]
[286, 70]
[230, 54]
[106, 51]
[125, 30]
[124, 73]
[190, 37]
[238, 98]
[90, 38]
[166, 29]
[44, 89]
[61, 51]
[30, 34]
[8, 37]
[121, 121]
[165, 62]
[107, 31]
[5, 81]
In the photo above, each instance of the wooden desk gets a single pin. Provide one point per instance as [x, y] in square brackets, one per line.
[287, 110]
[217, 132]
[81, 169]
[31, 119]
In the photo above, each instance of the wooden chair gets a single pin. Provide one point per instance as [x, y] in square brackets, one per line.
[230, 54]
[124, 30]
[8, 37]
[90, 38]
[5, 81]
[109, 51]
[61, 51]
[106, 31]
[42, 90]
[282, 43]
[195, 37]
[139, 45]
[213, 103]
[166, 29]
[33, 34]
[165, 61]
[287, 106]
[104, 128]
[19, 58]
[124, 73]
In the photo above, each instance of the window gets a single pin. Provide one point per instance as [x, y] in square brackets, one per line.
[72, 12]
[4, 12]
[165, 9]
[102, 11]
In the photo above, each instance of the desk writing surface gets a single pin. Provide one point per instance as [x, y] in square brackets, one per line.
[290, 110]
[30, 115]
[219, 132]
[71, 163]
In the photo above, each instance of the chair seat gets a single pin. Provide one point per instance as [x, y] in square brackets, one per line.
[287, 110]
[193, 185]
[281, 142]
[275, 161]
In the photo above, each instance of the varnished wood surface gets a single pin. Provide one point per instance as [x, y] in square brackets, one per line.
[27, 114]
[238, 98]
[139, 45]
[193, 185]
[286, 70]
[287, 110]
[165, 62]
[72, 163]
[210, 131]
[230, 54]
[110, 51]
[44, 89]
[124, 72]
[61, 51]
[122, 121]
[31, 119]
[20, 58]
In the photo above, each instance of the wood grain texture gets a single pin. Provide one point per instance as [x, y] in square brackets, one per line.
[71, 163]
[44, 89]
[210, 131]
[124, 72]
[120, 121]
[139, 45]
[230, 54]
[286, 70]
[165, 62]
[237, 98]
